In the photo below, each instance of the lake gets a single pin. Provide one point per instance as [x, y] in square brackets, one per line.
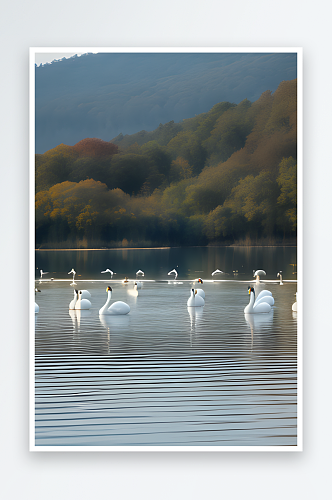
[165, 374]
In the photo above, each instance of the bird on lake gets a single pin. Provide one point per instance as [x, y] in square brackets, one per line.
[175, 273]
[137, 285]
[254, 308]
[36, 305]
[73, 272]
[108, 271]
[80, 300]
[42, 273]
[279, 275]
[195, 300]
[258, 274]
[217, 271]
[116, 308]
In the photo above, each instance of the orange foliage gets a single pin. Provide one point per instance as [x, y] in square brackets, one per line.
[95, 148]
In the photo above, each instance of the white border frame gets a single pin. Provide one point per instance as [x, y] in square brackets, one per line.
[299, 52]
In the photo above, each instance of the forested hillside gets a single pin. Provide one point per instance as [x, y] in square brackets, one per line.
[220, 177]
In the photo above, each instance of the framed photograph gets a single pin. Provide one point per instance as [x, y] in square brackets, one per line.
[166, 241]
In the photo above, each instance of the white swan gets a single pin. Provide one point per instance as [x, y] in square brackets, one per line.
[195, 300]
[140, 272]
[175, 273]
[217, 271]
[81, 302]
[80, 295]
[258, 274]
[252, 307]
[42, 272]
[294, 306]
[279, 275]
[108, 271]
[36, 305]
[137, 285]
[118, 307]
[73, 272]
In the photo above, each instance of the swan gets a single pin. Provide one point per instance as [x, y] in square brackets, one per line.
[252, 307]
[108, 271]
[258, 274]
[80, 294]
[118, 307]
[125, 281]
[82, 303]
[279, 275]
[73, 272]
[195, 300]
[42, 272]
[138, 285]
[36, 305]
[217, 271]
[140, 272]
[175, 273]
[294, 306]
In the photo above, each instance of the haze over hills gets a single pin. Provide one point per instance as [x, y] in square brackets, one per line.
[103, 95]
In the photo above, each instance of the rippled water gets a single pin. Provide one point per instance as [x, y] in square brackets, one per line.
[165, 375]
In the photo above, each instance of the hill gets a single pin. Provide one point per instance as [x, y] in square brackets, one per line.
[222, 176]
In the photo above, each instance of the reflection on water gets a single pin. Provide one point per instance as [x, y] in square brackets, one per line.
[166, 374]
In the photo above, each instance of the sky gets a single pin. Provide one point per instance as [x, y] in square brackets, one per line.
[49, 57]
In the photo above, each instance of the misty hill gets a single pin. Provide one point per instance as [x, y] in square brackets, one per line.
[221, 176]
[106, 94]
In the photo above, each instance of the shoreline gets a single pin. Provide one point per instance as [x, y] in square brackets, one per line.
[156, 248]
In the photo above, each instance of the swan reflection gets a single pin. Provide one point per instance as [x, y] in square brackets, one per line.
[196, 315]
[259, 323]
[114, 324]
[76, 316]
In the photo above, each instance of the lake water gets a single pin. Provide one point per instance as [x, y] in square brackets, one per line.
[165, 374]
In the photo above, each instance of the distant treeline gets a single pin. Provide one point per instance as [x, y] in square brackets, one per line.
[220, 177]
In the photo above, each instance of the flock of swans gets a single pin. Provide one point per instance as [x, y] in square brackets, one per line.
[261, 304]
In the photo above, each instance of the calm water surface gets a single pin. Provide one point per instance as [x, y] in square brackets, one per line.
[166, 375]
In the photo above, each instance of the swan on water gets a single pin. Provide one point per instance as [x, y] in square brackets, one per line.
[73, 272]
[195, 300]
[252, 307]
[80, 300]
[279, 275]
[258, 274]
[217, 271]
[36, 305]
[294, 306]
[118, 307]
[125, 281]
[140, 272]
[108, 271]
[137, 285]
[175, 273]
[82, 303]
[42, 273]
